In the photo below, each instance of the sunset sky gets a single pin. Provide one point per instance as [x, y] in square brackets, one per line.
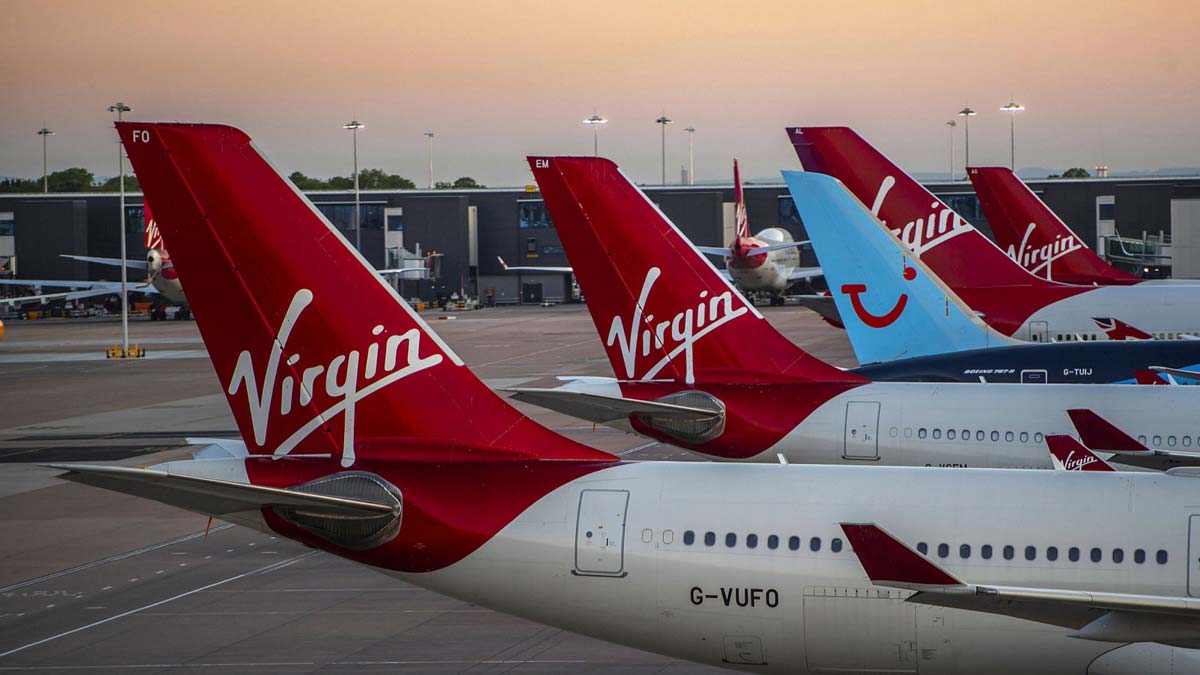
[1105, 82]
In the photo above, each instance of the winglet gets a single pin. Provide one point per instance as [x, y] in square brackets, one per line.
[889, 562]
[1098, 433]
[1070, 455]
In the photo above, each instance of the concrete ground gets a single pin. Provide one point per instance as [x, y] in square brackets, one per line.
[91, 580]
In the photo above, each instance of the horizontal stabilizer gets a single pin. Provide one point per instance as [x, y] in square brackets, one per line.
[212, 496]
[805, 273]
[715, 250]
[114, 262]
[601, 408]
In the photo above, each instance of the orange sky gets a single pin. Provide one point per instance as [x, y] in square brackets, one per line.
[1104, 81]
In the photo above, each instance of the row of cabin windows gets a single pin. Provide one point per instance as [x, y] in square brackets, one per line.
[752, 541]
[966, 434]
[1077, 337]
[1157, 441]
[1096, 554]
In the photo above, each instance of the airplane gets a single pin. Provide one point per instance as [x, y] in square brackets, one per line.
[1010, 299]
[1034, 237]
[905, 324]
[757, 568]
[160, 280]
[766, 263]
[697, 366]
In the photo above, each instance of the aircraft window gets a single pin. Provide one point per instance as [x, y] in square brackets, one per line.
[1037, 438]
[1157, 441]
[1139, 556]
[710, 538]
[966, 434]
[943, 550]
[979, 435]
[937, 433]
[814, 544]
[995, 435]
[1008, 436]
[964, 551]
[1031, 553]
[1187, 440]
[1171, 441]
[950, 434]
[908, 432]
[731, 540]
[1052, 553]
[689, 537]
[668, 536]
[1118, 556]
[1142, 439]
[752, 541]
[1009, 552]
[835, 545]
[921, 433]
[794, 543]
[923, 548]
[893, 432]
[1161, 557]
[772, 542]
[1096, 555]
[1024, 436]
[1073, 554]
[647, 536]
[986, 551]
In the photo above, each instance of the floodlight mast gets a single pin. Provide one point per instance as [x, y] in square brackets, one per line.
[354, 126]
[120, 108]
[429, 135]
[1012, 109]
[664, 121]
[595, 122]
[691, 131]
[951, 124]
[44, 132]
[966, 113]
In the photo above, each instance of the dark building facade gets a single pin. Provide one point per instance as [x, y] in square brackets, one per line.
[474, 229]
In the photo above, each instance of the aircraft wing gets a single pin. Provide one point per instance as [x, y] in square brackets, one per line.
[544, 270]
[410, 272]
[600, 408]
[806, 273]
[115, 262]
[1094, 615]
[715, 250]
[95, 290]
[211, 496]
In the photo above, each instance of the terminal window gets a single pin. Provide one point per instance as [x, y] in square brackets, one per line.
[342, 215]
[787, 212]
[533, 214]
[966, 206]
[6, 224]
[135, 219]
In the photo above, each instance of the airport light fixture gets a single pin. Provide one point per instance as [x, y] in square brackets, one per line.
[429, 135]
[664, 121]
[966, 113]
[44, 132]
[951, 124]
[120, 108]
[595, 122]
[354, 126]
[691, 131]
[1012, 109]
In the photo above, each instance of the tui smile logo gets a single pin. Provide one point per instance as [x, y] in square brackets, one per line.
[889, 317]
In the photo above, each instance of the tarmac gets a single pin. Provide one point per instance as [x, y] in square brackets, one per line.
[95, 581]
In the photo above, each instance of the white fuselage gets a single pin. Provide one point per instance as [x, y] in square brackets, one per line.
[1165, 311]
[812, 610]
[769, 272]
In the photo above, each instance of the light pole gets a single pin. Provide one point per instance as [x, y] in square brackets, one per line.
[595, 122]
[120, 108]
[664, 121]
[1012, 109]
[44, 132]
[429, 135]
[691, 156]
[951, 124]
[354, 126]
[966, 113]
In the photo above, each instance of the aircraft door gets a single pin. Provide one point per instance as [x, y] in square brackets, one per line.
[1194, 556]
[600, 533]
[862, 430]
[1039, 331]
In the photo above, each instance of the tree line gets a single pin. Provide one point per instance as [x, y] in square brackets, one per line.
[77, 179]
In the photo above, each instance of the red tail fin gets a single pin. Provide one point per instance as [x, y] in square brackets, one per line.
[1034, 236]
[663, 311]
[316, 353]
[739, 201]
[1072, 456]
[983, 276]
[1148, 377]
[1098, 433]
[154, 238]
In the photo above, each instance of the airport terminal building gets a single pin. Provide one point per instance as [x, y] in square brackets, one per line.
[1152, 224]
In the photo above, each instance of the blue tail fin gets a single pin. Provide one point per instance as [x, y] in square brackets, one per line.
[892, 304]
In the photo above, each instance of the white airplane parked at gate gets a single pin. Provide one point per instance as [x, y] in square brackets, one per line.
[770, 569]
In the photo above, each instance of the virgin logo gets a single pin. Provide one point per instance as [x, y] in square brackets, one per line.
[346, 379]
[1038, 259]
[675, 335]
[922, 234]
[1073, 463]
